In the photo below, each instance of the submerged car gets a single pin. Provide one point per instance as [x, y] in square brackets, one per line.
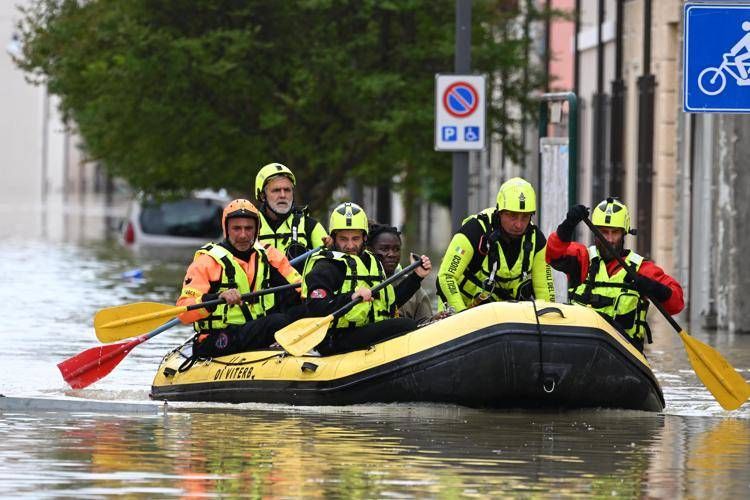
[189, 221]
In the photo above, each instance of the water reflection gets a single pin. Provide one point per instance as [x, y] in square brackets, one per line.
[427, 451]
[716, 455]
[377, 451]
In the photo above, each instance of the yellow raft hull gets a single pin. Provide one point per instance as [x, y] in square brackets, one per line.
[494, 356]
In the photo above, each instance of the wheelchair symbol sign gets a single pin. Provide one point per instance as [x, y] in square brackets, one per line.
[471, 134]
[717, 58]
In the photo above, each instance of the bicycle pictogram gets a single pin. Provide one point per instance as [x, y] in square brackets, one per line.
[713, 80]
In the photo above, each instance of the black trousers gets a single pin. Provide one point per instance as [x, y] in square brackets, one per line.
[256, 334]
[353, 339]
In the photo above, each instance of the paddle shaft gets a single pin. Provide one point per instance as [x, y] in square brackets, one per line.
[379, 287]
[304, 256]
[629, 271]
[250, 295]
[244, 296]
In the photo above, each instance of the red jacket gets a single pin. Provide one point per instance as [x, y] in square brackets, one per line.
[572, 258]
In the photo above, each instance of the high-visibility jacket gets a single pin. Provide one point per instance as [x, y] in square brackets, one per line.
[298, 231]
[465, 280]
[612, 296]
[214, 269]
[358, 275]
[233, 276]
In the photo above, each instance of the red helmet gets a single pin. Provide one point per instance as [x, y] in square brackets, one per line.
[239, 208]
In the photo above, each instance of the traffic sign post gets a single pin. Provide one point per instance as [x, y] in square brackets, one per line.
[460, 112]
[716, 76]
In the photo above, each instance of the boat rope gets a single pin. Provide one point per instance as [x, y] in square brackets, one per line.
[548, 381]
[190, 360]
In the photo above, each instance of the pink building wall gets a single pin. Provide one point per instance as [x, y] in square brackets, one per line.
[562, 34]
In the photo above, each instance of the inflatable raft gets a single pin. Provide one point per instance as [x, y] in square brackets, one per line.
[500, 355]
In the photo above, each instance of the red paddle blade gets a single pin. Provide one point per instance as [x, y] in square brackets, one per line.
[85, 368]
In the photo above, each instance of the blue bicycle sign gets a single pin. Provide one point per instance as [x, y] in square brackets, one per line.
[716, 33]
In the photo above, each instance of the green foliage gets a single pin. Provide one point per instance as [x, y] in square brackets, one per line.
[183, 94]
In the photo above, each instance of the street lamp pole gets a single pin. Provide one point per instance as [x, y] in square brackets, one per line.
[462, 65]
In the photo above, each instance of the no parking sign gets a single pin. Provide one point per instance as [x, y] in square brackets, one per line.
[459, 112]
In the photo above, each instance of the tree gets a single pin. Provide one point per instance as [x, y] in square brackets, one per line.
[183, 94]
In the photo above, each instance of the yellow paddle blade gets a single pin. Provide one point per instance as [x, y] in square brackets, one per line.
[303, 335]
[128, 320]
[719, 377]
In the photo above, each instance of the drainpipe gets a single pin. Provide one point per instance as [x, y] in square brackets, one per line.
[646, 91]
[573, 195]
[599, 102]
[617, 121]
[576, 57]
[547, 50]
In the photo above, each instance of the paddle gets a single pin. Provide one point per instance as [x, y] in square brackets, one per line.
[93, 364]
[719, 377]
[306, 333]
[128, 320]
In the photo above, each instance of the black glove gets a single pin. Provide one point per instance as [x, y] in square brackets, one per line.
[575, 215]
[650, 288]
[207, 297]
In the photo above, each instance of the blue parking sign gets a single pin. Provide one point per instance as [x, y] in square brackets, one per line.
[450, 134]
[716, 76]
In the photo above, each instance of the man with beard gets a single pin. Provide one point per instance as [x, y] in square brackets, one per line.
[596, 278]
[227, 270]
[333, 278]
[284, 225]
[497, 255]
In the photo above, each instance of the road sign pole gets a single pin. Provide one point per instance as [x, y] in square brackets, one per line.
[462, 63]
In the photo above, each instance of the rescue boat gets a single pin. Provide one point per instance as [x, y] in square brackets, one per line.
[502, 355]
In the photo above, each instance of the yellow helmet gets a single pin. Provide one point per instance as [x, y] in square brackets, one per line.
[611, 213]
[348, 216]
[269, 171]
[516, 195]
[239, 208]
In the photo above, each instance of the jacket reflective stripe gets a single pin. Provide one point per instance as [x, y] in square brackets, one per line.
[506, 281]
[291, 230]
[234, 276]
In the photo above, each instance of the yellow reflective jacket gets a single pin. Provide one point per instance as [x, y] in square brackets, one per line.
[358, 275]
[473, 272]
[233, 276]
[297, 230]
[612, 296]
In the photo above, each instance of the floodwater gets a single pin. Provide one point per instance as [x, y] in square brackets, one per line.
[62, 264]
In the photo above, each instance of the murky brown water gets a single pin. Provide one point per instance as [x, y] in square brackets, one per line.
[59, 268]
